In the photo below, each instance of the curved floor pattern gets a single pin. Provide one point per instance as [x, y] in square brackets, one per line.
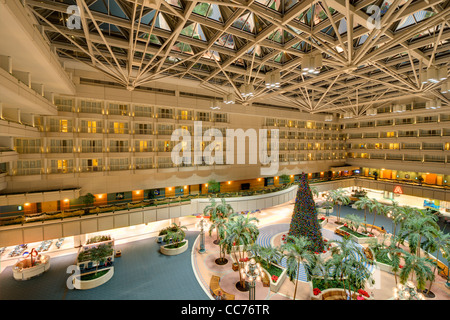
[266, 234]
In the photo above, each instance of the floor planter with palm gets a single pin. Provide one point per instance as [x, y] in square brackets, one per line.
[347, 266]
[269, 259]
[174, 236]
[218, 211]
[242, 232]
[297, 252]
[219, 224]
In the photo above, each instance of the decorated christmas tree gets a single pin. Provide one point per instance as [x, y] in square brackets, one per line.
[304, 219]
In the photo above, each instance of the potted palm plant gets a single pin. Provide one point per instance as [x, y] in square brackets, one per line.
[296, 252]
[175, 240]
[241, 234]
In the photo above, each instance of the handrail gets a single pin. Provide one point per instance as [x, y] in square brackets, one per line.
[91, 210]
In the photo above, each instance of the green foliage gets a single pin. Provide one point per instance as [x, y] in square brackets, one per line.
[213, 186]
[284, 178]
[88, 199]
[354, 222]
[174, 233]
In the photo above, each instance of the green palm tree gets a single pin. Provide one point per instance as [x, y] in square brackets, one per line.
[354, 221]
[220, 224]
[398, 215]
[242, 232]
[416, 228]
[393, 253]
[175, 234]
[442, 240]
[314, 191]
[378, 208]
[364, 203]
[347, 265]
[418, 266]
[338, 197]
[266, 255]
[296, 252]
[218, 211]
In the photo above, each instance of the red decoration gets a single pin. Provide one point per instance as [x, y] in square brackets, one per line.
[274, 278]
[316, 291]
[363, 293]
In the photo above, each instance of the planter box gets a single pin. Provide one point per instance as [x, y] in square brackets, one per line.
[275, 286]
[322, 223]
[382, 266]
[30, 272]
[332, 294]
[174, 251]
[362, 240]
[90, 284]
[324, 211]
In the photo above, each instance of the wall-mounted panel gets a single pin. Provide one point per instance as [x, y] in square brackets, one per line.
[162, 213]
[89, 226]
[121, 220]
[53, 231]
[11, 237]
[136, 218]
[105, 223]
[71, 228]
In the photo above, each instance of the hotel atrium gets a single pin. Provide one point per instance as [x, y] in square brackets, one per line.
[138, 136]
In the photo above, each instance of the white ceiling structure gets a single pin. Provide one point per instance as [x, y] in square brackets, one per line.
[223, 44]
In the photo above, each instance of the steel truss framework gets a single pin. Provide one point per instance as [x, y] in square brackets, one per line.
[223, 44]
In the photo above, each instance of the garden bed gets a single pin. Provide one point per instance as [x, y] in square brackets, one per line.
[92, 280]
[277, 275]
[334, 290]
[171, 250]
[356, 236]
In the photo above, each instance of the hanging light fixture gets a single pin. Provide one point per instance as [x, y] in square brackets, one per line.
[229, 99]
[433, 104]
[273, 79]
[442, 74]
[398, 108]
[371, 112]
[434, 74]
[312, 63]
[445, 87]
[215, 105]
[348, 115]
[247, 90]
